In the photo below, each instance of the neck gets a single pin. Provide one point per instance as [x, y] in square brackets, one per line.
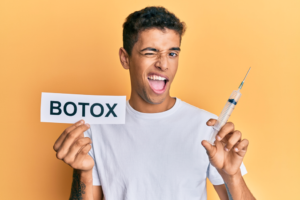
[139, 104]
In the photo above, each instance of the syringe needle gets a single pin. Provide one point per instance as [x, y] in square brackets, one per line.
[242, 83]
[226, 112]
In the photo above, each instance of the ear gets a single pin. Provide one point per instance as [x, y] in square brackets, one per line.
[124, 58]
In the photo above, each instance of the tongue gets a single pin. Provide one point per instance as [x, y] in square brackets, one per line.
[157, 85]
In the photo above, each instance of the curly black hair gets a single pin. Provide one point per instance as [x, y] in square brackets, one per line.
[147, 18]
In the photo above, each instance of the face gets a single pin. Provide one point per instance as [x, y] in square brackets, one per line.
[153, 64]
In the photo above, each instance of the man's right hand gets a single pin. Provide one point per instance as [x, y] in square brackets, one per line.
[72, 147]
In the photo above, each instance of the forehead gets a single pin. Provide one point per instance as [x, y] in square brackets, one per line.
[154, 37]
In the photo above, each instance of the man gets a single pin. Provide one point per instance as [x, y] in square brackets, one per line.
[156, 154]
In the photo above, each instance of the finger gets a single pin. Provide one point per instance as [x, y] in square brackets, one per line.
[232, 141]
[75, 148]
[242, 147]
[81, 156]
[226, 138]
[210, 149]
[225, 130]
[61, 138]
[69, 139]
[211, 122]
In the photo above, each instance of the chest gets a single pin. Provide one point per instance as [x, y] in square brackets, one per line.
[147, 154]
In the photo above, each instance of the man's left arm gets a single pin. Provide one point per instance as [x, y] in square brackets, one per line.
[237, 186]
[221, 191]
[234, 188]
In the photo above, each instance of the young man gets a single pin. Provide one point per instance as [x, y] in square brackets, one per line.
[157, 153]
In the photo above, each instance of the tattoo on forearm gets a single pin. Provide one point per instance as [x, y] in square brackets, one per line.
[78, 187]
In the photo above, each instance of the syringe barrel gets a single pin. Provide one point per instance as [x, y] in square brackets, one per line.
[225, 114]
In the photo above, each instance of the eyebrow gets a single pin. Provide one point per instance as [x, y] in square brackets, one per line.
[156, 50]
[175, 48]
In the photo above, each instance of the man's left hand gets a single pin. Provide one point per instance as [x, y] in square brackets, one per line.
[229, 150]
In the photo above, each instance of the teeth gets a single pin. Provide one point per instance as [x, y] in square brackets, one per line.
[154, 77]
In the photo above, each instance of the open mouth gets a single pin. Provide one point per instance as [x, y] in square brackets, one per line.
[157, 83]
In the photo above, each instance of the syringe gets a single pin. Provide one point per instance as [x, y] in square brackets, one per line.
[227, 110]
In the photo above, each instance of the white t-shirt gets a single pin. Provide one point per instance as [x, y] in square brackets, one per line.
[154, 155]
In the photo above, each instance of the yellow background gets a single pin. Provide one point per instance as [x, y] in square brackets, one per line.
[65, 46]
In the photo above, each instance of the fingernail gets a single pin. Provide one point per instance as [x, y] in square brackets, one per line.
[236, 149]
[219, 138]
[88, 125]
[226, 149]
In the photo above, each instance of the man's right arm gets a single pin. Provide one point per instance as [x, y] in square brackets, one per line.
[73, 148]
[82, 187]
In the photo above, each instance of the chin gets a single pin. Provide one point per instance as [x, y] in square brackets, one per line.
[153, 100]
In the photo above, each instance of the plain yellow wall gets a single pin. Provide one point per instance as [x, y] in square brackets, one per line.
[66, 46]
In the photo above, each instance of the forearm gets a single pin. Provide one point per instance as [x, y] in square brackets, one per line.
[237, 186]
[82, 186]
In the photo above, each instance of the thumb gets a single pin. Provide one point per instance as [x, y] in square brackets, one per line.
[210, 149]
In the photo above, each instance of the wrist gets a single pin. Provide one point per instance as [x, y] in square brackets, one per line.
[231, 179]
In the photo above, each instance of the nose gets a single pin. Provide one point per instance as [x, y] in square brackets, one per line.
[162, 62]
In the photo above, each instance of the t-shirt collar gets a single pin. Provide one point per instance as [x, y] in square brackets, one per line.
[153, 115]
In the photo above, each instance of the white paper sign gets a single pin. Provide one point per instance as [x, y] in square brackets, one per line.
[93, 109]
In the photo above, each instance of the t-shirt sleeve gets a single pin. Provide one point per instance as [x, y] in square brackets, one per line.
[215, 178]
[96, 179]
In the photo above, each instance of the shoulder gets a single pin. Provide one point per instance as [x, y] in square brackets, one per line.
[191, 110]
